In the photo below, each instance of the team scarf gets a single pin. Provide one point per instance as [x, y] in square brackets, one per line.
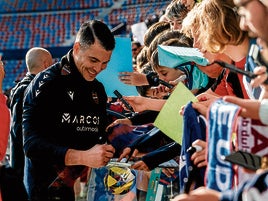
[252, 137]
[222, 119]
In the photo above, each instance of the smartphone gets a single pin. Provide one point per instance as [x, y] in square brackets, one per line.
[244, 159]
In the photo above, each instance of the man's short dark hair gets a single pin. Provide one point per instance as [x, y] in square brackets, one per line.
[93, 30]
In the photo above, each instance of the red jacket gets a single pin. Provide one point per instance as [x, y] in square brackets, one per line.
[4, 125]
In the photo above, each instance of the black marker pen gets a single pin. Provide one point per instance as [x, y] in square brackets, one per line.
[120, 97]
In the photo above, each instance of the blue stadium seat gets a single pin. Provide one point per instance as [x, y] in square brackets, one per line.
[25, 24]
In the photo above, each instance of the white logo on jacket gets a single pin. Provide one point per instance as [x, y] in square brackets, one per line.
[71, 94]
[80, 119]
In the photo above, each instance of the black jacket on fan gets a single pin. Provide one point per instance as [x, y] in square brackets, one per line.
[15, 104]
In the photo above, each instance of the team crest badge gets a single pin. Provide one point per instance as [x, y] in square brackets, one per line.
[95, 97]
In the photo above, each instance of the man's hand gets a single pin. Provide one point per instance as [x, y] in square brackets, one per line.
[136, 102]
[95, 157]
[133, 78]
[125, 121]
[204, 101]
[199, 157]
[140, 103]
[126, 154]
[140, 165]
[262, 76]
[250, 108]
[200, 194]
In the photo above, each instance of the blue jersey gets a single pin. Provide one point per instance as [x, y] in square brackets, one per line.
[194, 128]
